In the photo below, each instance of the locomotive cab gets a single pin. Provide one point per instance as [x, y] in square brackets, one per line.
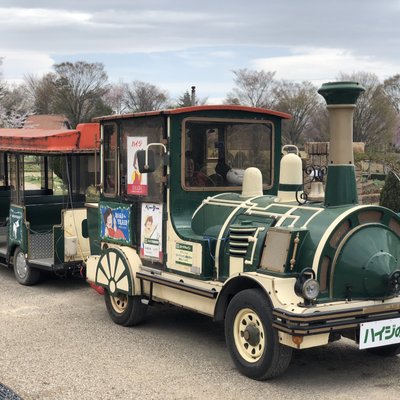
[158, 169]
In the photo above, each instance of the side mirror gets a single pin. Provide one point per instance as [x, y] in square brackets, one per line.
[146, 166]
[85, 228]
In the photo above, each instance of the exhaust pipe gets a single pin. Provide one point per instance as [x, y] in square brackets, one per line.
[341, 98]
[193, 96]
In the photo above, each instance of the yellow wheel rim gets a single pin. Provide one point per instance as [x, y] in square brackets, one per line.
[119, 302]
[249, 335]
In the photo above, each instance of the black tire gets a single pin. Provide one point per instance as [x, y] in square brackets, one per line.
[24, 273]
[385, 351]
[125, 310]
[251, 340]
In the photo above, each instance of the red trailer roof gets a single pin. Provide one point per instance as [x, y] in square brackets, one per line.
[84, 139]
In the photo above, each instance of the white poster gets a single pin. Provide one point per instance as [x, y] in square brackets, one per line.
[151, 231]
[137, 182]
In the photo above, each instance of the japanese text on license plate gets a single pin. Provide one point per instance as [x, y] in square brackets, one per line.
[379, 333]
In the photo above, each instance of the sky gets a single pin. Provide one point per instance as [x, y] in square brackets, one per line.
[175, 44]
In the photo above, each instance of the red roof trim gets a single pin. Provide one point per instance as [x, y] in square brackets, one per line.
[196, 109]
[84, 139]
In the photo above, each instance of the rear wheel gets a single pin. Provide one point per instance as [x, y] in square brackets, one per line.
[125, 310]
[252, 341]
[24, 273]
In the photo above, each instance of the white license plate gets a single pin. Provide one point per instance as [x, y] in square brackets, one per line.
[379, 333]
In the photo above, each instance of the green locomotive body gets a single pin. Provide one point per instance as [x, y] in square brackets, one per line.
[198, 210]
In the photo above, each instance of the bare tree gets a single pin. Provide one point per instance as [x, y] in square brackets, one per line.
[115, 98]
[302, 102]
[391, 87]
[318, 130]
[2, 93]
[75, 90]
[80, 87]
[15, 106]
[142, 96]
[43, 92]
[374, 116]
[2, 85]
[253, 88]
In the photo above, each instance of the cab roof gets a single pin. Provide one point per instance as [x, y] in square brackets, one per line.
[195, 109]
[84, 139]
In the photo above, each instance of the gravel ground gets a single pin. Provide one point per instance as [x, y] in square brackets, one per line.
[57, 342]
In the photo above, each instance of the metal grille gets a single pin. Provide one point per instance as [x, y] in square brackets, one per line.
[41, 245]
[239, 239]
[8, 394]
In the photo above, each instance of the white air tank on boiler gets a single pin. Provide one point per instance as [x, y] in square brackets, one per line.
[291, 176]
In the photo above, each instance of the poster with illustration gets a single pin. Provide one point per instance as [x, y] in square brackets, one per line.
[16, 222]
[151, 231]
[115, 222]
[137, 182]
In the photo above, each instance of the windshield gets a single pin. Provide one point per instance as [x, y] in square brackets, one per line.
[217, 152]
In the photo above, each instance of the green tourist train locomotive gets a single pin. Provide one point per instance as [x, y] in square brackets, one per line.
[198, 209]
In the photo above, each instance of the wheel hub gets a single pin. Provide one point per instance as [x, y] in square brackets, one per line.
[119, 302]
[249, 335]
[21, 265]
[252, 335]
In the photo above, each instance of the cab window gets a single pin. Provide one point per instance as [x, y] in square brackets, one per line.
[110, 171]
[136, 134]
[217, 152]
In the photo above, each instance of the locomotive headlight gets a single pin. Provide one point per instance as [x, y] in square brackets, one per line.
[310, 289]
[306, 285]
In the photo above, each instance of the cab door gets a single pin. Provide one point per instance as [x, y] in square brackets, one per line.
[132, 203]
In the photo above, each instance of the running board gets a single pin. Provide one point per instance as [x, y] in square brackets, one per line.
[179, 285]
[46, 263]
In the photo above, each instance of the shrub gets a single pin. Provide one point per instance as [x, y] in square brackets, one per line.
[390, 195]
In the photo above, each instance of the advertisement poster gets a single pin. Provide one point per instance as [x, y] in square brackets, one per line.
[115, 222]
[151, 231]
[16, 221]
[137, 182]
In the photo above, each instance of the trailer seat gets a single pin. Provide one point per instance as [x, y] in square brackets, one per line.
[4, 204]
[42, 217]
